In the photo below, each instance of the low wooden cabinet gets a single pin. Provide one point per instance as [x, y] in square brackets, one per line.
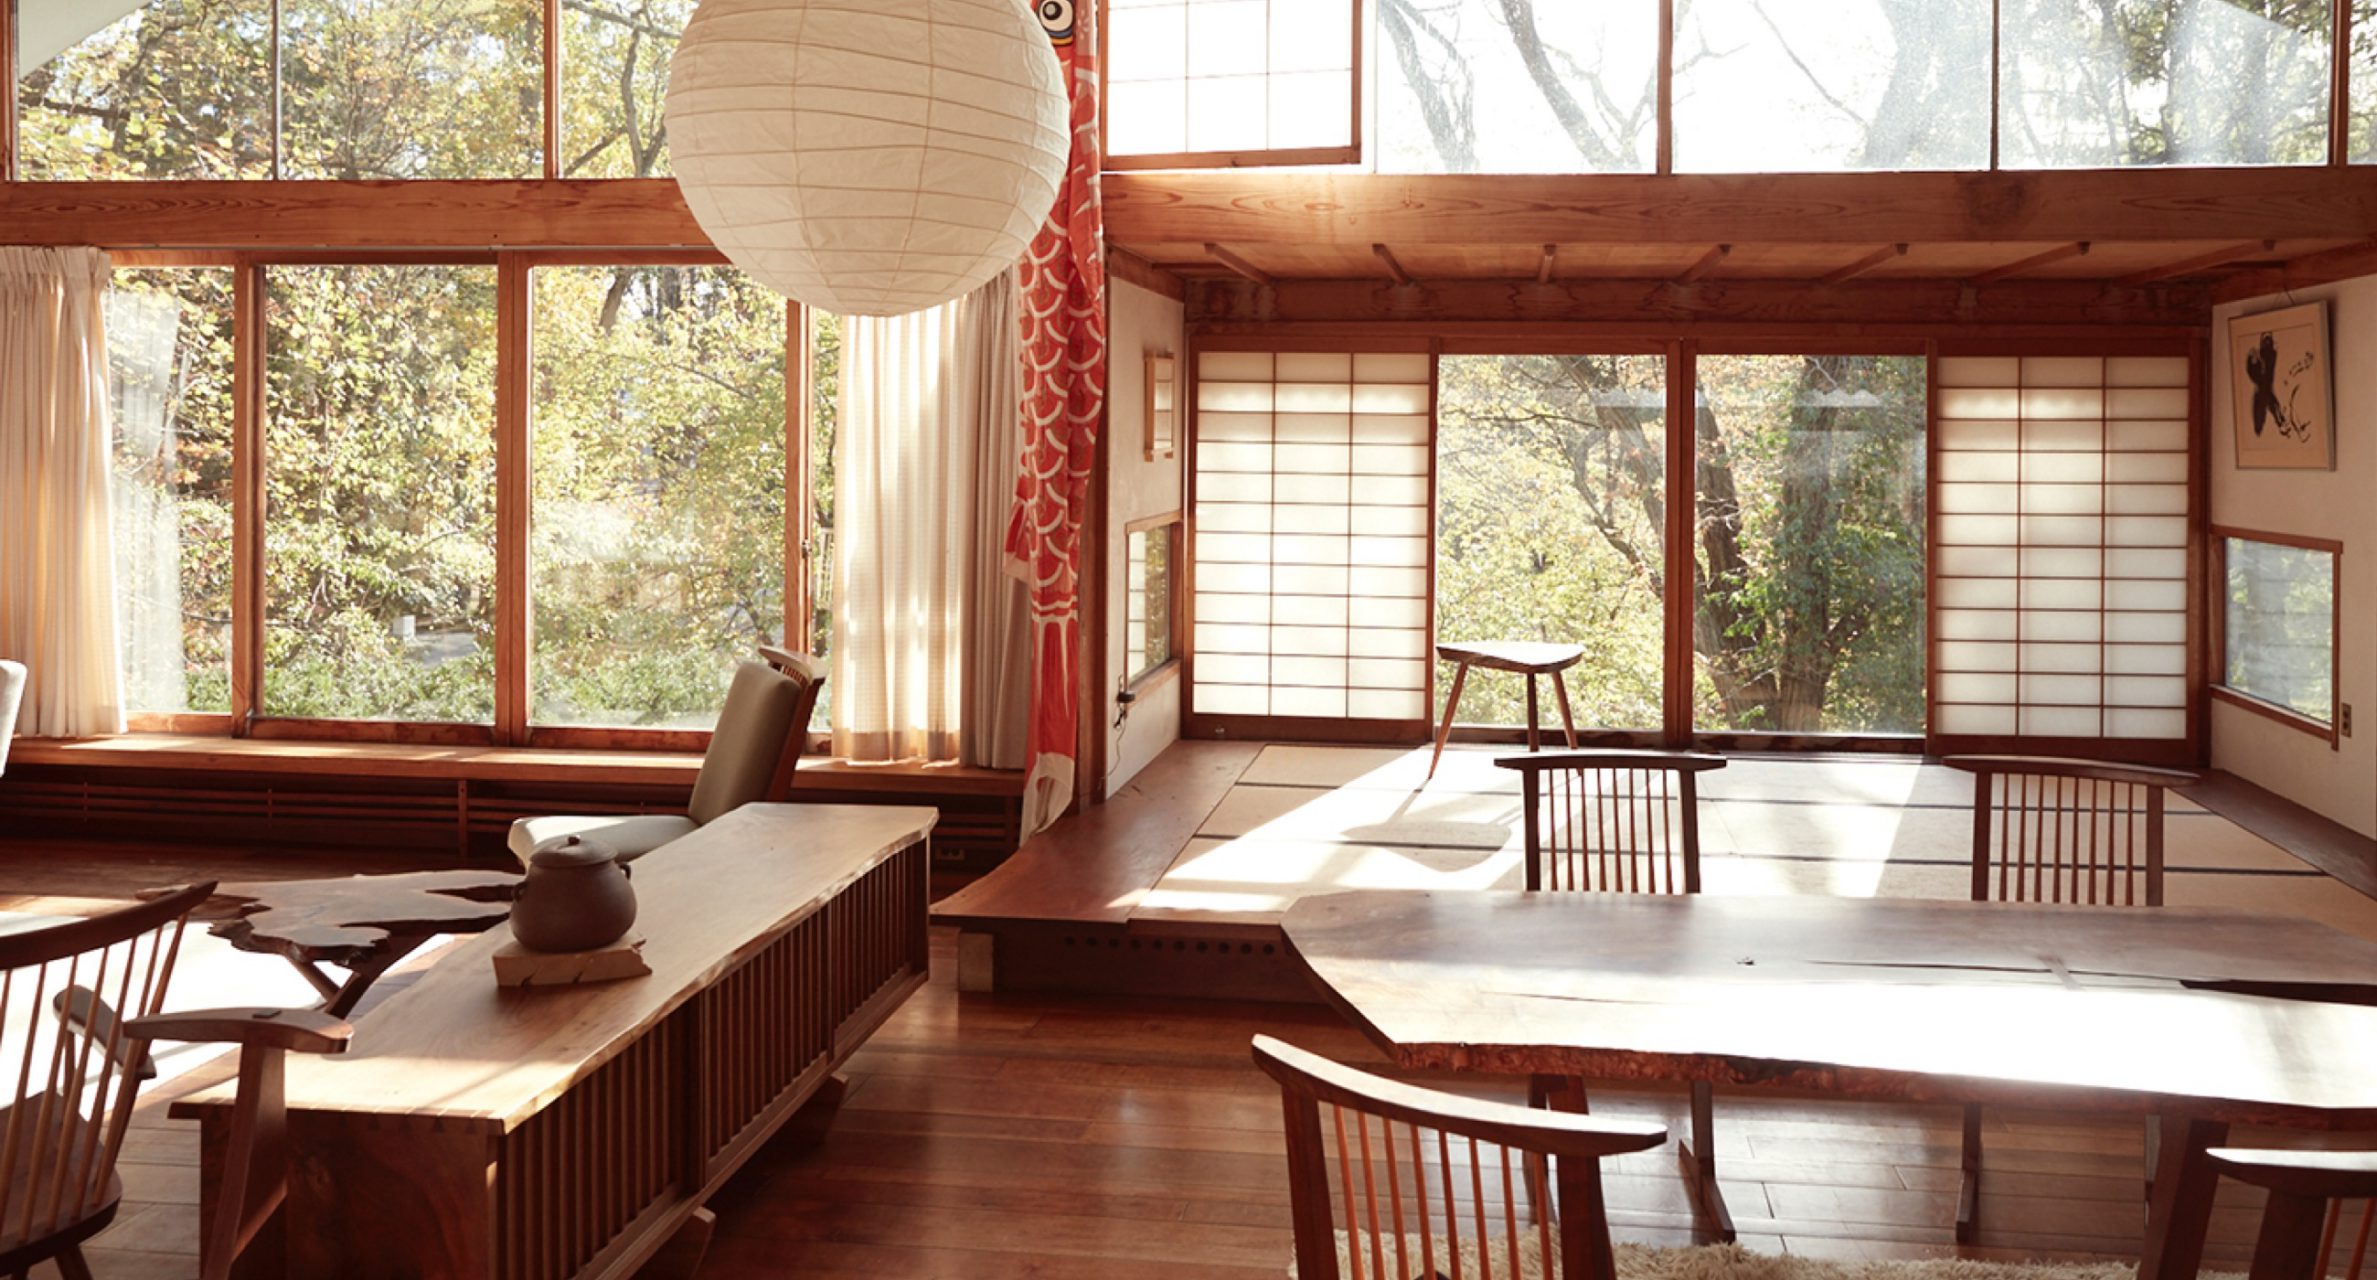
[478, 1131]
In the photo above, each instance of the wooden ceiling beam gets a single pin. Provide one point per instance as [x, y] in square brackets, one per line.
[2198, 264]
[1706, 263]
[2051, 206]
[1867, 263]
[2324, 267]
[617, 213]
[1879, 303]
[1239, 266]
[1394, 268]
[1543, 269]
[2060, 253]
[1124, 265]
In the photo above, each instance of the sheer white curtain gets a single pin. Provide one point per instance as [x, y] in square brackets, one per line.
[921, 635]
[57, 572]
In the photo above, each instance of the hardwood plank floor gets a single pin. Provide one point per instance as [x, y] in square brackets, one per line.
[992, 1136]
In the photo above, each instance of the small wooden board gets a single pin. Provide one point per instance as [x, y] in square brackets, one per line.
[517, 966]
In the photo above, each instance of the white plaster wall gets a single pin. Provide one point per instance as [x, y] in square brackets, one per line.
[1140, 322]
[2339, 504]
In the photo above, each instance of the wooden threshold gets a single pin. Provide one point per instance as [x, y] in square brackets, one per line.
[203, 754]
[2326, 844]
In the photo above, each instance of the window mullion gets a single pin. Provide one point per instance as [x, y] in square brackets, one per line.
[514, 496]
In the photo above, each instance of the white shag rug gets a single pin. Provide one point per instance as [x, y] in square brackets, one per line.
[1718, 1262]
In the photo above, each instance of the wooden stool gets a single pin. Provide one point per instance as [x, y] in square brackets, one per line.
[1520, 657]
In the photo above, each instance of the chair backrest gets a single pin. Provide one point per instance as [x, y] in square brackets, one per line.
[760, 736]
[1435, 1181]
[2308, 1195]
[2074, 831]
[12, 696]
[1613, 821]
[71, 1066]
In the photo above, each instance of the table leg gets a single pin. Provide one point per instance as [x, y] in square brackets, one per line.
[1534, 736]
[1452, 703]
[1567, 717]
[1712, 1222]
[2184, 1181]
[359, 978]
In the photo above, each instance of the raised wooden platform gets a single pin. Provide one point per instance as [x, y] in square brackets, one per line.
[456, 800]
[1176, 886]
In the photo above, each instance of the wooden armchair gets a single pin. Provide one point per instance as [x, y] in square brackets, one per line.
[1421, 1174]
[2082, 832]
[2307, 1194]
[761, 734]
[77, 1069]
[1623, 822]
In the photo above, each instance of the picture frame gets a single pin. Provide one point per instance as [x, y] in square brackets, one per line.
[2282, 389]
[1163, 400]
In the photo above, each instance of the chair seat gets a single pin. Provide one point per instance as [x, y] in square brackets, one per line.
[630, 835]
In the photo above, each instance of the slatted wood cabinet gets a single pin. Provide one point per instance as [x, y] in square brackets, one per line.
[474, 1131]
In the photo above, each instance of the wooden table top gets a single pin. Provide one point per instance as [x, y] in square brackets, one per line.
[348, 919]
[1522, 656]
[456, 1048]
[1882, 998]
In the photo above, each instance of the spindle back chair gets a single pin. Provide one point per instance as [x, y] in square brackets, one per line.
[2308, 1191]
[2067, 831]
[80, 1003]
[1389, 1180]
[2081, 832]
[1612, 821]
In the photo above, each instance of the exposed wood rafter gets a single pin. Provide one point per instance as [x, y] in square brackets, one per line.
[1867, 263]
[2198, 264]
[1394, 268]
[1706, 263]
[1124, 265]
[1239, 266]
[2060, 253]
[2301, 273]
[1543, 269]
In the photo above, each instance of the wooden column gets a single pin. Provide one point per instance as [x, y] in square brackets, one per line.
[1682, 505]
[515, 378]
[247, 494]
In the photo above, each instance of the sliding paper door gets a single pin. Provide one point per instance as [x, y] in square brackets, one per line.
[1310, 565]
[2062, 604]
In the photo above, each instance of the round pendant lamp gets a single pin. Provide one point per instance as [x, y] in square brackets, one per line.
[868, 157]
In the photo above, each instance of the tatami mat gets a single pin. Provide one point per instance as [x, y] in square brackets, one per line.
[1306, 820]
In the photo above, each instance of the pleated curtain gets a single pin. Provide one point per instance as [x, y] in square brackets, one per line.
[929, 637]
[57, 573]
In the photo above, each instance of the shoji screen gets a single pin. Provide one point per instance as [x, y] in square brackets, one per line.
[1310, 563]
[2061, 609]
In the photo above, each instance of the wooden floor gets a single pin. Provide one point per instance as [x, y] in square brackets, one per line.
[1055, 1137]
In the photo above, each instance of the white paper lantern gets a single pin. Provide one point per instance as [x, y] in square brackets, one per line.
[868, 157]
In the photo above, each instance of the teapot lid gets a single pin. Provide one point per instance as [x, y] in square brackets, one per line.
[571, 851]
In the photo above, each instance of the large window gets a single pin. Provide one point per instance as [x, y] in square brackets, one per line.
[169, 348]
[2278, 624]
[411, 89]
[657, 548]
[1515, 86]
[174, 89]
[1810, 506]
[1232, 81]
[1551, 476]
[614, 76]
[379, 486]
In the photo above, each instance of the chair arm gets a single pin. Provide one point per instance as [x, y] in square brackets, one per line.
[300, 1030]
[2319, 1175]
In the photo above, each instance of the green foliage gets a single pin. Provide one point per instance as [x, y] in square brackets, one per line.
[411, 89]
[614, 74]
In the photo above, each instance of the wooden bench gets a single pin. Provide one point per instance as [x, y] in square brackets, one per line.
[478, 1131]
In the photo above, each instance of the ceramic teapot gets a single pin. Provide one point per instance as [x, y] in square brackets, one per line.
[576, 897]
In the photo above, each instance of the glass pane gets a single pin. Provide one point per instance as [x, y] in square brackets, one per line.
[2188, 82]
[411, 89]
[2280, 629]
[1516, 86]
[614, 75]
[657, 548]
[1772, 86]
[1147, 590]
[177, 89]
[169, 372]
[1229, 75]
[379, 473]
[2363, 121]
[825, 381]
[1550, 475]
[1810, 504]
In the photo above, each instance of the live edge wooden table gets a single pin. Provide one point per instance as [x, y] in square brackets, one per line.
[1519, 657]
[2205, 1017]
[532, 1134]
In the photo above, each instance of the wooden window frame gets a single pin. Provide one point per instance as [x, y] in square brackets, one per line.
[2216, 619]
[1272, 157]
[514, 388]
[1176, 523]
